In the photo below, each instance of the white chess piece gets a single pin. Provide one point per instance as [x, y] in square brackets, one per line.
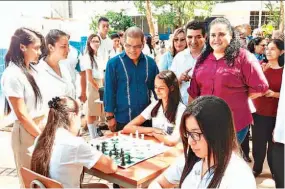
[142, 136]
[137, 134]
[131, 135]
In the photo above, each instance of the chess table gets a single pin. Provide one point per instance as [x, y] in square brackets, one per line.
[142, 173]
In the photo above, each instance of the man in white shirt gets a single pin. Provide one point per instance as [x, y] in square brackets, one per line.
[184, 62]
[279, 139]
[106, 45]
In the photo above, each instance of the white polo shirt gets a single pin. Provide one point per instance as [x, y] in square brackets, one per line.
[278, 133]
[237, 175]
[182, 62]
[69, 155]
[53, 85]
[85, 64]
[14, 83]
[160, 121]
[105, 49]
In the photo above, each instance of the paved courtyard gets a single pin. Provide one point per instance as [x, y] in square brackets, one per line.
[9, 179]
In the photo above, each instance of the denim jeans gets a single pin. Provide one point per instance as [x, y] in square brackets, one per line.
[241, 134]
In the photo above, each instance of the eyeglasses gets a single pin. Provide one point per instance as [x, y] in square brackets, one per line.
[194, 135]
[136, 47]
[180, 40]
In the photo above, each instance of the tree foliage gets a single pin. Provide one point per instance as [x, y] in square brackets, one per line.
[117, 20]
[175, 13]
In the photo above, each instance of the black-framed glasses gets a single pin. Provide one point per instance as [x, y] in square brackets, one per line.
[194, 135]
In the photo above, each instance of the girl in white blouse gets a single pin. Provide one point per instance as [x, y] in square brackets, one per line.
[61, 155]
[93, 65]
[165, 113]
[22, 93]
[211, 153]
[55, 79]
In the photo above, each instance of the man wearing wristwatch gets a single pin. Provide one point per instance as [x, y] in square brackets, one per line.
[129, 81]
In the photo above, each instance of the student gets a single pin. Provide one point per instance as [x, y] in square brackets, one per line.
[54, 77]
[92, 63]
[116, 45]
[211, 153]
[61, 155]
[22, 92]
[165, 113]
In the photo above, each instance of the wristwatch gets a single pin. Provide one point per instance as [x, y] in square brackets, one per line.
[110, 117]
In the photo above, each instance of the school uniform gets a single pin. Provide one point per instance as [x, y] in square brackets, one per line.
[15, 84]
[160, 121]
[69, 155]
[52, 84]
[93, 109]
[237, 174]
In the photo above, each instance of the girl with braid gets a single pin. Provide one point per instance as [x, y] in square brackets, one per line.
[61, 155]
[22, 93]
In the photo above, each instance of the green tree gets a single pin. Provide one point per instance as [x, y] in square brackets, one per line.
[177, 13]
[117, 20]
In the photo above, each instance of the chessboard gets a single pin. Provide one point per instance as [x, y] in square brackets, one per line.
[127, 150]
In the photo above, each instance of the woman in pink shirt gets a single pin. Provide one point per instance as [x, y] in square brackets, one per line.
[229, 72]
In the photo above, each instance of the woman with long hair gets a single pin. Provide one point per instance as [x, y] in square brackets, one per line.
[230, 72]
[92, 64]
[211, 152]
[61, 155]
[148, 47]
[21, 90]
[165, 113]
[55, 77]
[177, 44]
[257, 47]
[266, 108]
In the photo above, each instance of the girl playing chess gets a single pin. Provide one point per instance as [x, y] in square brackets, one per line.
[165, 113]
[211, 153]
[61, 155]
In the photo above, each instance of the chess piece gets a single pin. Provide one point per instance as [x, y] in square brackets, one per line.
[103, 149]
[142, 136]
[129, 159]
[137, 134]
[114, 147]
[110, 153]
[117, 153]
[98, 147]
[122, 152]
[123, 163]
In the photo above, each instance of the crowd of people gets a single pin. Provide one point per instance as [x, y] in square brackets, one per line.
[212, 89]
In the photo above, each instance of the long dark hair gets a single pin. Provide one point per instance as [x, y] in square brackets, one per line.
[24, 36]
[231, 52]
[52, 37]
[280, 45]
[174, 96]
[254, 42]
[90, 51]
[149, 43]
[58, 117]
[215, 120]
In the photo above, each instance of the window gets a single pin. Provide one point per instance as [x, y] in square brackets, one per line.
[254, 18]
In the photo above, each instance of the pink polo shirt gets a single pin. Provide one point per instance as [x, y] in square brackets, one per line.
[231, 83]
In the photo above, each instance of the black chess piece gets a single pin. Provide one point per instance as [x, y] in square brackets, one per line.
[123, 163]
[129, 159]
[114, 147]
[122, 152]
[103, 149]
[98, 147]
[110, 153]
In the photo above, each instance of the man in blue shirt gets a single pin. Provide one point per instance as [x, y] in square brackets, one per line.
[129, 81]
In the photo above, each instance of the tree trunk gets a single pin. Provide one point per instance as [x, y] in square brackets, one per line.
[281, 26]
[149, 18]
